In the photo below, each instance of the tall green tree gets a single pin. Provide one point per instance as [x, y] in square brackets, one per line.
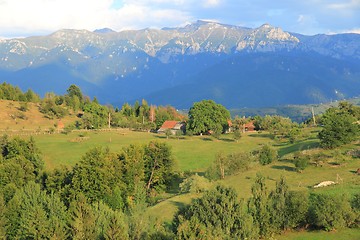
[159, 165]
[207, 116]
[339, 127]
[278, 205]
[97, 174]
[133, 160]
[73, 91]
[258, 206]
[32, 214]
[296, 209]
[83, 220]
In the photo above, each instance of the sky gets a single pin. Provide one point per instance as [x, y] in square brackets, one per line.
[22, 18]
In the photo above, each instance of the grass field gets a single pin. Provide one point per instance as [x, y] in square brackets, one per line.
[191, 153]
[344, 234]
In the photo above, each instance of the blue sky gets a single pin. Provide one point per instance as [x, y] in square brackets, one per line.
[37, 17]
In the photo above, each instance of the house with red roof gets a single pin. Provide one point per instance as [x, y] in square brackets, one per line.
[173, 126]
[249, 127]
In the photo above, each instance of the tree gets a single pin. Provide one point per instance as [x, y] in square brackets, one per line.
[207, 116]
[97, 174]
[73, 91]
[228, 165]
[159, 165]
[216, 215]
[330, 211]
[168, 133]
[21, 161]
[339, 127]
[301, 161]
[194, 184]
[267, 155]
[296, 209]
[258, 206]
[278, 205]
[82, 219]
[239, 124]
[237, 135]
[32, 214]
[132, 158]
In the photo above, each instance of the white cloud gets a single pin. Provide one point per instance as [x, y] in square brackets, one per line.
[211, 3]
[345, 5]
[44, 15]
[28, 16]
[354, 30]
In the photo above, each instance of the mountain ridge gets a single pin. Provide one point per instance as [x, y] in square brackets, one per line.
[132, 64]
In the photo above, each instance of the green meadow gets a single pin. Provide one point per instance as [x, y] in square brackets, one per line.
[191, 153]
[196, 153]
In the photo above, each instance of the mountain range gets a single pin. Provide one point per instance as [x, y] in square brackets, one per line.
[235, 66]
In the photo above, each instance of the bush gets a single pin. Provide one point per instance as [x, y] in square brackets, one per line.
[267, 155]
[24, 106]
[330, 211]
[355, 204]
[296, 209]
[194, 184]
[301, 161]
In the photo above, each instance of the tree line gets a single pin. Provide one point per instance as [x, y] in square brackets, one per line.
[103, 196]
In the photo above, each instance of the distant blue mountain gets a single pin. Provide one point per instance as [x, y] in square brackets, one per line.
[235, 66]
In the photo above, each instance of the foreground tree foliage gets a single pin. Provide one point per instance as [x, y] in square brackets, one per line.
[20, 163]
[216, 215]
[32, 214]
[330, 211]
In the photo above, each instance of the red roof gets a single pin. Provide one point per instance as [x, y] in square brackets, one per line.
[250, 126]
[169, 124]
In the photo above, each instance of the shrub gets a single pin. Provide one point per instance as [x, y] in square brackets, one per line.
[301, 161]
[330, 211]
[194, 184]
[267, 155]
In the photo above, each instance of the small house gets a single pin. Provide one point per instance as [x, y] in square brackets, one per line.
[173, 126]
[249, 127]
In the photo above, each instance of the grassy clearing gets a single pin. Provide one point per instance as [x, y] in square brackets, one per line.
[348, 234]
[192, 153]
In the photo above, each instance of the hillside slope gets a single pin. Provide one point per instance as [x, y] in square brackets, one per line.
[14, 120]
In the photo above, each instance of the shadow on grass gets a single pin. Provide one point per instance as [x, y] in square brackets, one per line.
[207, 139]
[284, 167]
[159, 136]
[179, 205]
[227, 140]
[286, 160]
[304, 145]
[262, 135]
